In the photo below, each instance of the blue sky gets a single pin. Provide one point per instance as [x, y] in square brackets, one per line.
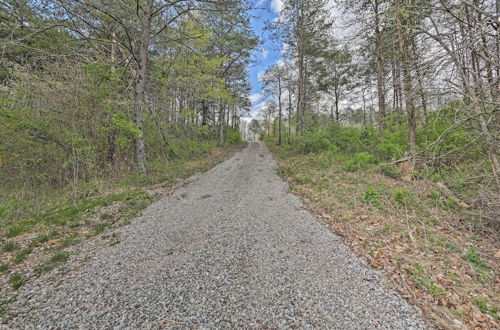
[269, 52]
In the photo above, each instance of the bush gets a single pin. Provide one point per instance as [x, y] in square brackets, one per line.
[402, 196]
[316, 142]
[389, 150]
[371, 196]
[233, 137]
[359, 161]
[390, 171]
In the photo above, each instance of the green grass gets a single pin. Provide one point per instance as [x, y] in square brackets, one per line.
[21, 255]
[17, 280]
[20, 227]
[43, 238]
[10, 246]
[61, 213]
[100, 228]
[56, 259]
[371, 196]
[69, 240]
[483, 305]
[72, 213]
[4, 267]
[432, 288]
[474, 258]
[4, 304]
[115, 242]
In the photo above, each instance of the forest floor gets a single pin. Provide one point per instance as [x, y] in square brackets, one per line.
[41, 232]
[230, 248]
[432, 253]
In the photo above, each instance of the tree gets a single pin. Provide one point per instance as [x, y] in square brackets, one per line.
[104, 82]
[404, 39]
[273, 80]
[306, 29]
[134, 27]
[255, 128]
[335, 74]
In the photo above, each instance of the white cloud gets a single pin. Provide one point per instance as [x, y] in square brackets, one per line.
[277, 5]
[255, 98]
[260, 75]
[257, 111]
[264, 53]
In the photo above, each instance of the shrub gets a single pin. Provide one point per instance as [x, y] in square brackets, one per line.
[233, 137]
[316, 142]
[390, 171]
[371, 196]
[359, 161]
[402, 196]
[348, 139]
[388, 150]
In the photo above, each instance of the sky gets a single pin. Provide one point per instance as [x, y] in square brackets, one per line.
[268, 53]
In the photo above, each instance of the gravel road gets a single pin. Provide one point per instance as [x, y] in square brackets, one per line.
[230, 249]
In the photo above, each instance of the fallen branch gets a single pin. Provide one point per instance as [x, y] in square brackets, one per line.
[450, 194]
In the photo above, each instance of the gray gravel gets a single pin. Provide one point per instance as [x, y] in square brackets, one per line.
[230, 249]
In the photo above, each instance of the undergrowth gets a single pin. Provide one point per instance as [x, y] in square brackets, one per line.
[415, 232]
[36, 229]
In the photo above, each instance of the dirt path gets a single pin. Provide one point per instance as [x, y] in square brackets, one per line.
[230, 249]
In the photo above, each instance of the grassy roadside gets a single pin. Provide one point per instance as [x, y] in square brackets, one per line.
[39, 231]
[411, 230]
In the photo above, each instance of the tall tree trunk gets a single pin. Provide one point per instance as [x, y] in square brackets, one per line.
[113, 51]
[140, 82]
[204, 113]
[420, 80]
[380, 67]
[289, 114]
[337, 97]
[471, 92]
[364, 108]
[279, 110]
[405, 56]
[301, 82]
[395, 100]
[221, 125]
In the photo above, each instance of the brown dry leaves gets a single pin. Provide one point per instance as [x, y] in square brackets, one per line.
[423, 259]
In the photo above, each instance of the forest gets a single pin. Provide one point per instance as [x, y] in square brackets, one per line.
[94, 92]
[384, 115]
[413, 84]
[376, 109]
